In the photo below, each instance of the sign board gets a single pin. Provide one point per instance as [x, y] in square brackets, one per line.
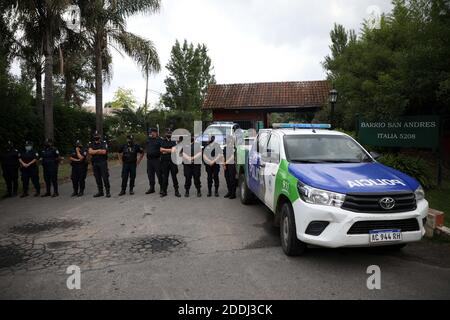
[408, 132]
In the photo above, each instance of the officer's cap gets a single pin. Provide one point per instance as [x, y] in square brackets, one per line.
[153, 130]
[28, 143]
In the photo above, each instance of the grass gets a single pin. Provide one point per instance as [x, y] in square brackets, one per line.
[64, 172]
[439, 199]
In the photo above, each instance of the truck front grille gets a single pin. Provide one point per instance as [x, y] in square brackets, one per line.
[370, 202]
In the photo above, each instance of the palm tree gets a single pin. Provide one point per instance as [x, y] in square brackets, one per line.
[150, 64]
[105, 22]
[47, 15]
[28, 48]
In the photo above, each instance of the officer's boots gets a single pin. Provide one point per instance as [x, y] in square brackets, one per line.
[131, 191]
[209, 193]
[108, 193]
[187, 193]
[74, 193]
[199, 193]
[122, 193]
[81, 193]
[216, 192]
[99, 194]
[177, 193]
[151, 190]
[47, 194]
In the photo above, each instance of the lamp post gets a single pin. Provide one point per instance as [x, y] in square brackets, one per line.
[333, 97]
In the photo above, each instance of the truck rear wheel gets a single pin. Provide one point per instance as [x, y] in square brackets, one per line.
[245, 193]
[288, 232]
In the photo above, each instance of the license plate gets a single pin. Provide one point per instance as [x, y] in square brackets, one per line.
[377, 236]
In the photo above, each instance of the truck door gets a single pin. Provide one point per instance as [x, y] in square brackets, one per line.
[256, 166]
[272, 164]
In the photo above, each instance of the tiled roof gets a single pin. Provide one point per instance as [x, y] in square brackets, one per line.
[275, 94]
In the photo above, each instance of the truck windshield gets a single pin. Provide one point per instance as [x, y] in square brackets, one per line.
[324, 149]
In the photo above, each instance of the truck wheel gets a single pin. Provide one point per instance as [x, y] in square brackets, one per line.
[244, 193]
[291, 245]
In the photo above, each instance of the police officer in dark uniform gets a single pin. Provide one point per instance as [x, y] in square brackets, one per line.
[129, 159]
[167, 165]
[29, 167]
[211, 156]
[79, 163]
[50, 162]
[153, 149]
[10, 168]
[98, 150]
[192, 155]
[229, 165]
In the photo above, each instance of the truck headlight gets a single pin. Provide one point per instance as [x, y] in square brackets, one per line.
[320, 197]
[419, 193]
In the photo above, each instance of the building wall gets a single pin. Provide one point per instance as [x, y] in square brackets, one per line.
[241, 117]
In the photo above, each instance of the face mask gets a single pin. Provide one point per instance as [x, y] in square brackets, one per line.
[28, 148]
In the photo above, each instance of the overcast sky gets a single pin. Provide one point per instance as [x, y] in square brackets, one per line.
[248, 40]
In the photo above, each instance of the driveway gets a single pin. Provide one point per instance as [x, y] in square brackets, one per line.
[145, 247]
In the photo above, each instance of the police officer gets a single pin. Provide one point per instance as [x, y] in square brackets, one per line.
[229, 165]
[98, 150]
[79, 163]
[211, 157]
[129, 159]
[29, 167]
[167, 165]
[192, 155]
[153, 149]
[10, 168]
[50, 162]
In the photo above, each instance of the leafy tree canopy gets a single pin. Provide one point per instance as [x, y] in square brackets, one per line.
[190, 74]
[400, 68]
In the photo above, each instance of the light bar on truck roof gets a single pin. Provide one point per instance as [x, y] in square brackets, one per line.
[301, 126]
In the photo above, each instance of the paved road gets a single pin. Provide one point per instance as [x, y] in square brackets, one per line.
[144, 247]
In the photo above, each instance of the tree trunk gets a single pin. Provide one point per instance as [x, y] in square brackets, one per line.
[68, 92]
[146, 89]
[98, 86]
[48, 90]
[39, 106]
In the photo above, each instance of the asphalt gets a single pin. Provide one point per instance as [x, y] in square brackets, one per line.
[145, 247]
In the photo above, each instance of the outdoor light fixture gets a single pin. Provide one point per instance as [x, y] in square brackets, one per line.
[333, 97]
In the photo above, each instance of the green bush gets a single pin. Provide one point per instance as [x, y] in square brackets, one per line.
[116, 142]
[412, 166]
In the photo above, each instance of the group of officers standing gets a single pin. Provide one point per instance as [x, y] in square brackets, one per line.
[161, 162]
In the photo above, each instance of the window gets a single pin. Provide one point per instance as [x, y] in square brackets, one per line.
[262, 142]
[324, 149]
[273, 149]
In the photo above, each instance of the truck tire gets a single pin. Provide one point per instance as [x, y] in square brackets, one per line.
[245, 194]
[288, 232]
